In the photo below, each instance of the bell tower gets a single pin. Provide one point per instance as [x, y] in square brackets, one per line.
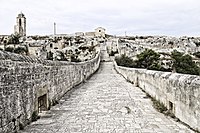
[20, 27]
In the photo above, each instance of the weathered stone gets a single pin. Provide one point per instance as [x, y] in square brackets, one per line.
[24, 79]
[177, 92]
[106, 103]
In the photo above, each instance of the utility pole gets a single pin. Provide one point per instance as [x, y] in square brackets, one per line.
[54, 28]
[125, 33]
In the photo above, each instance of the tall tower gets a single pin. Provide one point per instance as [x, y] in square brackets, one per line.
[54, 28]
[20, 28]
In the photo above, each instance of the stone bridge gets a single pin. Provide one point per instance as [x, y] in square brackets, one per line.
[104, 103]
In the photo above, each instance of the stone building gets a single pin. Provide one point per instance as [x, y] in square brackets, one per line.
[100, 32]
[20, 27]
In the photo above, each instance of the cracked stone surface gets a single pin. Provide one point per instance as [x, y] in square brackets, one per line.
[106, 103]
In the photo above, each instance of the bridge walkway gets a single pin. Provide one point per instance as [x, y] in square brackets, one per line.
[106, 103]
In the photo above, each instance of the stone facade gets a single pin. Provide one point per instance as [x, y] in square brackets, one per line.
[20, 27]
[29, 85]
[180, 93]
[100, 32]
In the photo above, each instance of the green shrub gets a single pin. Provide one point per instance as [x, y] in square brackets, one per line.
[125, 61]
[158, 105]
[184, 64]
[148, 59]
[20, 50]
[9, 49]
[197, 54]
[113, 53]
[14, 39]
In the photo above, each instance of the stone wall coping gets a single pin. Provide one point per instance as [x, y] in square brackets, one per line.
[29, 59]
[184, 78]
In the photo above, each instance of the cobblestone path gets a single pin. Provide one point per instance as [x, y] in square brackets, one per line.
[106, 103]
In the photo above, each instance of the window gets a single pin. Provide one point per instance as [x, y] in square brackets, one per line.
[20, 22]
[42, 103]
[51, 45]
[99, 30]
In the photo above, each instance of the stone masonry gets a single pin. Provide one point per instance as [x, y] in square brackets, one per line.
[106, 103]
[29, 85]
[180, 93]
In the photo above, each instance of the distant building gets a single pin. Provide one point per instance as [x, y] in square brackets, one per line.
[90, 34]
[100, 32]
[20, 27]
[79, 34]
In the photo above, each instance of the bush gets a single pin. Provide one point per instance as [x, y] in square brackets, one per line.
[197, 54]
[158, 105]
[20, 50]
[125, 61]
[148, 59]
[9, 49]
[184, 64]
[113, 53]
[14, 39]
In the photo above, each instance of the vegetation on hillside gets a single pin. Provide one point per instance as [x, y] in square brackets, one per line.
[197, 54]
[13, 39]
[19, 50]
[149, 59]
[125, 61]
[184, 64]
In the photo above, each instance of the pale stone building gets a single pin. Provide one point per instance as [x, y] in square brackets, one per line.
[79, 34]
[100, 32]
[90, 34]
[20, 27]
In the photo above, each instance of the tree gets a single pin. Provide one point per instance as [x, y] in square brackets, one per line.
[148, 59]
[184, 64]
[197, 54]
[125, 61]
[20, 50]
[9, 49]
[14, 39]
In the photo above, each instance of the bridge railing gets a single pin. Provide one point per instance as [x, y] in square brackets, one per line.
[25, 81]
[180, 93]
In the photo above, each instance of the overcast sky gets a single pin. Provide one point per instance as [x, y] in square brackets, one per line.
[136, 17]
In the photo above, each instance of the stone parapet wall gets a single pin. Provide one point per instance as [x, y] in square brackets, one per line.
[24, 79]
[180, 93]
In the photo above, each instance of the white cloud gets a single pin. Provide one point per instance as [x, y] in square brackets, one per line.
[169, 17]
